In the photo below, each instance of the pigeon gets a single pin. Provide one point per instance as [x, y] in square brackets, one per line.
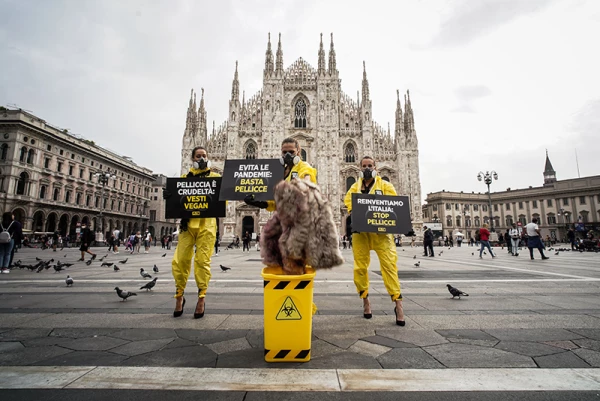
[106, 264]
[65, 255]
[123, 261]
[224, 268]
[448, 248]
[441, 252]
[124, 293]
[472, 253]
[418, 264]
[414, 257]
[456, 292]
[149, 285]
[116, 268]
[38, 259]
[57, 268]
[164, 254]
[102, 259]
[556, 253]
[155, 269]
[69, 281]
[144, 274]
[89, 262]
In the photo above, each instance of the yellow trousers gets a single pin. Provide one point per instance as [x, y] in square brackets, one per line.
[384, 246]
[204, 239]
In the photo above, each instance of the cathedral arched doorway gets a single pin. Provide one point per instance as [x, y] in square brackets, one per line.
[247, 225]
[63, 224]
[73, 226]
[38, 221]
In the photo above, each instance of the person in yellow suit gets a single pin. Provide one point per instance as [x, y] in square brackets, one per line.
[383, 244]
[294, 167]
[198, 232]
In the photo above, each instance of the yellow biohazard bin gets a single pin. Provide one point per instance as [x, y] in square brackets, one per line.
[288, 315]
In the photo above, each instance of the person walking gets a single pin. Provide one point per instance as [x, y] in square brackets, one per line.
[534, 240]
[246, 242]
[484, 239]
[10, 234]
[383, 244]
[514, 236]
[147, 241]
[86, 237]
[571, 237]
[428, 242]
[200, 233]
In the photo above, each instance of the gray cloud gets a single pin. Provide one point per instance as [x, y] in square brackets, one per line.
[469, 20]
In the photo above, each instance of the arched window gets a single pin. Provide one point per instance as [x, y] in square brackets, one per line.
[4, 151]
[385, 178]
[303, 155]
[30, 156]
[22, 183]
[300, 114]
[42, 192]
[56, 194]
[350, 153]
[477, 222]
[585, 217]
[458, 221]
[467, 221]
[522, 219]
[23, 154]
[449, 221]
[509, 221]
[349, 182]
[250, 151]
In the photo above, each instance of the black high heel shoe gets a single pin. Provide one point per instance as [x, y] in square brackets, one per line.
[398, 322]
[199, 315]
[177, 313]
[367, 315]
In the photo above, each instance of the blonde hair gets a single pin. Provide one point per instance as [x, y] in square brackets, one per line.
[485, 225]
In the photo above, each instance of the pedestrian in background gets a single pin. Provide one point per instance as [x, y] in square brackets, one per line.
[484, 238]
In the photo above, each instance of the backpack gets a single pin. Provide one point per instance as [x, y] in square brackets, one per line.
[5, 236]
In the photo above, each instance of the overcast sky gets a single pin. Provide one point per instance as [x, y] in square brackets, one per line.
[493, 83]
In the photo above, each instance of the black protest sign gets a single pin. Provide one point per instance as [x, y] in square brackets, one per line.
[243, 177]
[381, 214]
[194, 197]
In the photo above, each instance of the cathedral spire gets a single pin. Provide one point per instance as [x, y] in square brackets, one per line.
[202, 118]
[214, 131]
[357, 99]
[321, 67]
[332, 63]
[235, 87]
[279, 61]
[192, 117]
[399, 122]
[269, 58]
[549, 173]
[365, 85]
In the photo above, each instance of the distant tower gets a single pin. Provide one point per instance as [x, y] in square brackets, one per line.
[549, 173]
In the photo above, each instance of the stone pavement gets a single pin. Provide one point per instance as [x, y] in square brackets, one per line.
[521, 314]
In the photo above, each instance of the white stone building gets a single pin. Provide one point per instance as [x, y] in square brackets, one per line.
[333, 130]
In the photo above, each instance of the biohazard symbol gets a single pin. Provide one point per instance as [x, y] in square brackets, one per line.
[288, 311]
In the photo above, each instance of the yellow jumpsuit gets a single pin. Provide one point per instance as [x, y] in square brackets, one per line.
[201, 233]
[382, 244]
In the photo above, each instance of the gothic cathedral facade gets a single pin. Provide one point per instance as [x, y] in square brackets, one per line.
[334, 132]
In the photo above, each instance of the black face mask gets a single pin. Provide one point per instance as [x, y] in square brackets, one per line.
[288, 159]
[367, 174]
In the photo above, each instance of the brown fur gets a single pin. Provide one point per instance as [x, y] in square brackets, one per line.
[302, 231]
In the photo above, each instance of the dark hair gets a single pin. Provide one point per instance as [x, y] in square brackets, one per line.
[366, 157]
[199, 148]
[6, 219]
[290, 140]
[534, 220]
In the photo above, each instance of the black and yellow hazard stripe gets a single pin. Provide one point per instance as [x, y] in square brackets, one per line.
[287, 284]
[287, 355]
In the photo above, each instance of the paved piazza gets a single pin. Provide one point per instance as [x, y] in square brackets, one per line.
[527, 325]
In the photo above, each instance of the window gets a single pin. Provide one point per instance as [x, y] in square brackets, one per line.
[80, 173]
[30, 156]
[68, 196]
[458, 221]
[300, 113]
[97, 202]
[384, 178]
[22, 183]
[119, 205]
[4, 151]
[566, 201]
[495, 208]
[534, 204]
[61, 152]
[484, 208]
[521, 205]
[70, 170]
[497, 221]
[23, 154]
[448, 206]
[549, 202]
[250, 151]
[435, 208]
[349, 182]
[551, 219]
[350, 153]
[466, 207]
[77, 198]
[155, 189]
[508, 206]
[449, 221]
[42, 192]
[152, 215]
[87, 200]
[582, 200]
[56, 194]
[468, 221]
[509, 221]
[585, 217]
[475, 208]
[91, 176]
[49, 147]
[522, 219]
[303, 155]
[127, 187]
[112, 204]
[73, 156]
[59, 167]
[47, 162]
[83, 160]
[477, 221]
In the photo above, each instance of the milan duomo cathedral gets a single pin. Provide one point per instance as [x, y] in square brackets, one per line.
[334, 132]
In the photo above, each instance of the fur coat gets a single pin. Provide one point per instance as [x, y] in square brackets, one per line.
[302, 230]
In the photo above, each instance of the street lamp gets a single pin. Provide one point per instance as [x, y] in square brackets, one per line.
[564, 216]
[103, 178]
[487, 178]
